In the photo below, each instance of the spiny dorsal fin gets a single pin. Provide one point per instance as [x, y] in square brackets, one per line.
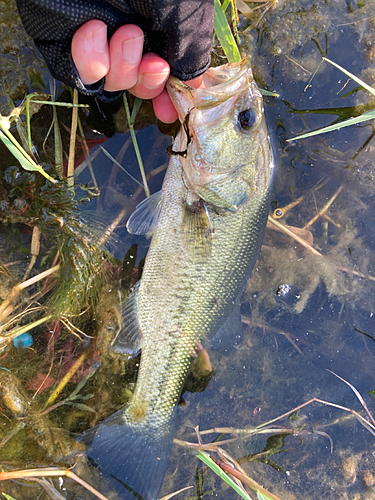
[145, 217]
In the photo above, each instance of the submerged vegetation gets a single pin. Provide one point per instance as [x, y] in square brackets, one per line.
[310, 300]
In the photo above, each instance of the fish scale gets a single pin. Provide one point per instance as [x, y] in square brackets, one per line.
[207, 225]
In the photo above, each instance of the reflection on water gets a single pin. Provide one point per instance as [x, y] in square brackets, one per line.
[303, 312]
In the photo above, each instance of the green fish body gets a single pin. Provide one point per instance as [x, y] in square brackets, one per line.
[207, 225]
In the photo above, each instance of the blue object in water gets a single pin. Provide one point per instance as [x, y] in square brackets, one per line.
[22, 341]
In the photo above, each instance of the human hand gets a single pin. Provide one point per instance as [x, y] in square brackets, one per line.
[123, 66]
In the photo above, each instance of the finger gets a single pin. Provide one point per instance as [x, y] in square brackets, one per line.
[153, 72]
[90, 51]
[125, 53]
[164, 108]
[196, 82]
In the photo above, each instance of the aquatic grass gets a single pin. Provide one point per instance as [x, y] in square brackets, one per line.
[54, 212]
[351, 121]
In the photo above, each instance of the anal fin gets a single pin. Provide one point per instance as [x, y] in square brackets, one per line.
[128, 342]
[229, 335]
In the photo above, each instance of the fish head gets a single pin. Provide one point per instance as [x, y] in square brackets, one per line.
[228, 152]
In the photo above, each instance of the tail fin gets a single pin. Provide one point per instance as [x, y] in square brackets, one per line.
[135, 459]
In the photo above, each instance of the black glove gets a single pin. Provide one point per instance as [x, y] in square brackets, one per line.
[180, 31]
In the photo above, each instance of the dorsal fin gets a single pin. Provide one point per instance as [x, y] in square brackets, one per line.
[145, 217]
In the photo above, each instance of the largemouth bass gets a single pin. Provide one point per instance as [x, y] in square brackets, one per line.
[207, 224]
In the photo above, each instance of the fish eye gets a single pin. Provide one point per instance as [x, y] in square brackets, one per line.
[247, 118]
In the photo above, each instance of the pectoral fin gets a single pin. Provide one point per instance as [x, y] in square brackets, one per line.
[144, 219]
[230, 333]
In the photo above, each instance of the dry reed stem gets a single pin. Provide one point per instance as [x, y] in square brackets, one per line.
[49, 472]
[260, 428]
[66, 379]
[35, 247]
[87, 153]
[20, 330]
[280, 212]
[325, 208]
[72, 145]
[21, 286]
[328, 218]
[167, 497]
[290, 233]
[245, 479]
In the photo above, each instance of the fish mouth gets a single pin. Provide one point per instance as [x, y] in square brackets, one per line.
[221, 83]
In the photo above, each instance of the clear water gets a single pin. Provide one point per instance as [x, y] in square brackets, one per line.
[326, 319]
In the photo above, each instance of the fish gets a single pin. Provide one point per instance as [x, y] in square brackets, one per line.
[206, 226]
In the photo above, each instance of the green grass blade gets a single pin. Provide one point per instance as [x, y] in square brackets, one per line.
[352, 121]
[8, 497]
[224, 34]
[262, 496]
[63, 104]
[137, 104]
[355, 78]
[120, 166]
[211, 464]
[24, 159]
[59, 160]
[135, 144]
[28, 121]
[269, 93]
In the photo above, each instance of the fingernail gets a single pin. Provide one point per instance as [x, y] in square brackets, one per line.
[99, 39]
[132, 50]
[153, 80]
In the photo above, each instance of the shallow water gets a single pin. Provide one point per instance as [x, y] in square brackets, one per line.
[323, 320]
